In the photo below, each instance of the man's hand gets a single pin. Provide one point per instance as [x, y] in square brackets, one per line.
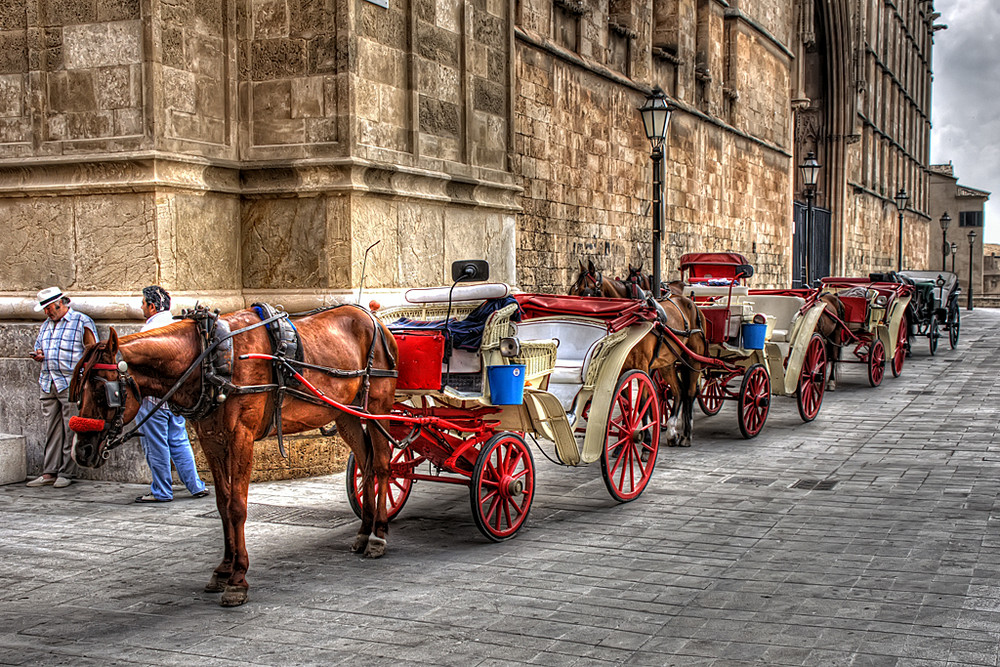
[37, 355]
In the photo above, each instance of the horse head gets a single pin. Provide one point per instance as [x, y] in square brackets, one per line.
[589, 282]
[636, 278]
[107, 397]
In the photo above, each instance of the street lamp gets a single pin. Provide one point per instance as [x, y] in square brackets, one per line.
[945, 221]
[954, 251]
[901, 199]
[972, 242]
[655, 118]
[810, 172]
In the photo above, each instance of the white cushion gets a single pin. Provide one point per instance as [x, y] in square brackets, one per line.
[479, 292]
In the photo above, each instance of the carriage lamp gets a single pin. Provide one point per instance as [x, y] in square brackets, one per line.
[655, 118]
[954, 251]
[810, 173]
[972, 243]
[901, 199]
[945, 221]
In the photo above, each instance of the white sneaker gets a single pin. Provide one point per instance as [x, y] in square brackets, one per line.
[62, 482]
[42, 481]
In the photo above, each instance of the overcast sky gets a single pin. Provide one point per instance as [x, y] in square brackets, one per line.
[966, 99]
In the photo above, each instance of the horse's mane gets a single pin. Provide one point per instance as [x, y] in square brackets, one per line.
[84, 366]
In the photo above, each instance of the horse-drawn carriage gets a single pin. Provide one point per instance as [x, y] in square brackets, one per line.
[934, 306]
[765, 339]
[872, 321]
[542, 365]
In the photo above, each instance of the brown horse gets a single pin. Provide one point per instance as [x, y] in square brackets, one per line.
[154, 362]
[829, 329]
[591, 282]
[658, 353]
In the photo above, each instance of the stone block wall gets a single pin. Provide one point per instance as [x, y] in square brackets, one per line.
[584, 160]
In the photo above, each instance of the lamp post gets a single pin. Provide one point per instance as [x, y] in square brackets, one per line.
[954, 251]
[901, 199]
[972, 242]
[655, 118]
[945, 221]
[810, 172]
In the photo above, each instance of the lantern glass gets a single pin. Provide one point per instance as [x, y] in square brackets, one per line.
[655, 117]
[810, 170]
[902, 198]
[972, 237]
[954, 248]
[945, 221]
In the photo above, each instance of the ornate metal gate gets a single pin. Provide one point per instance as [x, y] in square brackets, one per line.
[819, 246]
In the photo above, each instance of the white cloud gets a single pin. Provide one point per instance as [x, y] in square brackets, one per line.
[966, 98]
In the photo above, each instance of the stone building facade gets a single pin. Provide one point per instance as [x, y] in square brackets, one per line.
[238, 150]
[965, 206]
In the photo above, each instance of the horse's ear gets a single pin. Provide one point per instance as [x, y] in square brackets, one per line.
[113, 342]
[590, 265]
[582, 267]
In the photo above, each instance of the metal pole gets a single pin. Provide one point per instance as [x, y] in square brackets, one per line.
[806, 277]
[944, 244]
[969, 306]
[658, 215]
[899, 247]
[953, 261]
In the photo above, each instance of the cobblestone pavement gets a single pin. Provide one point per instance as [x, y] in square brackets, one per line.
[733, 554]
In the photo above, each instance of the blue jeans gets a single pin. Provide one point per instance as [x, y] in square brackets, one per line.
[164, 439]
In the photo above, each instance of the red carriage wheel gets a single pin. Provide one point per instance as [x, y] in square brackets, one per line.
[876, 363]
[710, 394]
[503, 486]
[812, 379]
[399, 486]
[900, 354]
[632, 438]
[754, 400]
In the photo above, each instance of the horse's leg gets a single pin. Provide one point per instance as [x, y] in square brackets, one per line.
[832, 356]
[673, 383]
[689, 377]
[381, 456]
[239, 463]
[351, 432]
[216, 454]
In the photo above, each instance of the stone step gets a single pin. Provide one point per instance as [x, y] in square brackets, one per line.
[13, 461]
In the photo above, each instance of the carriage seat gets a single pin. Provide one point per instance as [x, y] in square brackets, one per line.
[577, 340]
[780, 311]
[698, 292]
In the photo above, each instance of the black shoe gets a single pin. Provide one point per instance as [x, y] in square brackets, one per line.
[200, 494]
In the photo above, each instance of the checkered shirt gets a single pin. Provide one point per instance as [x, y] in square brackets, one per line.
[62, 344]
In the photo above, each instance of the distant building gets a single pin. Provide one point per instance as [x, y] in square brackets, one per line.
[965, 207]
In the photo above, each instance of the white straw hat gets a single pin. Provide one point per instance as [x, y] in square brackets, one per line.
[47, 296]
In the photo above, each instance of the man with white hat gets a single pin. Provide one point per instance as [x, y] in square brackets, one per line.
[58, 347]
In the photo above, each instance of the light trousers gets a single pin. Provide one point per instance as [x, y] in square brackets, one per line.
[165, 440]
[56, 412]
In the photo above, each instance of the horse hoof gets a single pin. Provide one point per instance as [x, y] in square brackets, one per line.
[217, 583]
[376, 548]
[360, 544]
[234, 596]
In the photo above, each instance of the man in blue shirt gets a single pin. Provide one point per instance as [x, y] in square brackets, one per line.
[58, 347]
[164, 435]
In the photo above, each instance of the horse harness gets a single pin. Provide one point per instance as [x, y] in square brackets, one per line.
[216, 365]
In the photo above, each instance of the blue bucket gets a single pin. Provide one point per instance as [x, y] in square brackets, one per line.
[753, 336]
[506, 384]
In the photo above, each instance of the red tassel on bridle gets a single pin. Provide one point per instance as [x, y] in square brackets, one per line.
[85, 424]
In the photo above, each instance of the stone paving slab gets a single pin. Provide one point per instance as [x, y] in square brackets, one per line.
[735, 554]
